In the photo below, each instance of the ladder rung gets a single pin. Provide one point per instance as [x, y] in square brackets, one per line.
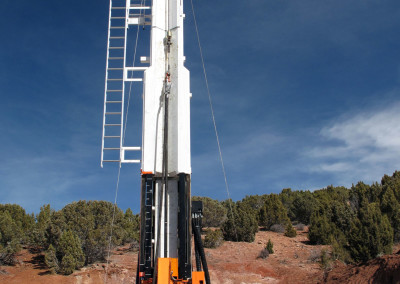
[117, 37]
[109, 91]
[116, 28]
[113, 113]
[115, 79]
[117, 8]
[112, 136]
[115, 69]
[139, 7]
[111, 148]
[116, 47]
[114, 102]
[134, 79]
[112, 124]
[115, 58]
[112, 18]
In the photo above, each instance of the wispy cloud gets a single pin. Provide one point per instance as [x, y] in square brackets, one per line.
[362, 146]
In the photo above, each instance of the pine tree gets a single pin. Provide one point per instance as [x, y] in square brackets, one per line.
[273, 212]
[51, 260]
[241, 226]
[370, 234]
[320, 230]
[270, 247]
[290, 231]
[71, 252]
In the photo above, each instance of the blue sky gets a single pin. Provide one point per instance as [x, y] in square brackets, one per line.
[306, 94]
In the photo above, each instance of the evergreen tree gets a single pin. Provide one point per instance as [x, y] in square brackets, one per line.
[391, 207]
[320, 230]
[370, 234]
[270, 247]
[273, 212]
[51, 260]
[71, 252]
[241, 224]
[290, 231]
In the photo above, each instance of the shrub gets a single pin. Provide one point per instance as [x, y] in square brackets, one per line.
[263, 253]
[277, 228]
[71, 253]
[51, 260]
[270, 247]
[325, 260]
[290, 231]
[68, 264]
[273, 212]
[320, 230]
[241, 225]
[213, 239]
[370, 234]
[7, 254]
[315, 255]
[300, 226]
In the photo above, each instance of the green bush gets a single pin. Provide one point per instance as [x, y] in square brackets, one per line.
[241, 225]
[51, 260]
[370, 234]
[68, 255]
[263, 253]
[273, 212]
[290, 231]
[213, 239]
[270, 247]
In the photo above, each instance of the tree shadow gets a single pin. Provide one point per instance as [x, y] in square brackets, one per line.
[38, 262]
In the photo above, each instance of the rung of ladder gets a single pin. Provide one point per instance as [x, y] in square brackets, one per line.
[138, 6]
[112, 124]
[111, 148]
[140, 68]
[115, 18]
[114, 91]
[117, 37]
[115, 58]
[118, 8]
[113, 113]
[114, 102]
[115, 69]
[116, 47]
[133, 79]
[112, 136]
[114, 79]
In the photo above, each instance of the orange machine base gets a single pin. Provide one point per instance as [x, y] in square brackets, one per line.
[167, 273]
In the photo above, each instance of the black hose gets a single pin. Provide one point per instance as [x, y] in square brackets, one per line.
[198, 260]
[199, 244]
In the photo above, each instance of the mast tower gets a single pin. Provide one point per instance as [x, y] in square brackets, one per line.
[166, 231]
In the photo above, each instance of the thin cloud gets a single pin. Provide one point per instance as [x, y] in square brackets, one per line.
[363, 146]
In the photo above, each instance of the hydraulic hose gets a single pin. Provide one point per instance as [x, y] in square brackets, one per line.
[198, 260]
[199, 244]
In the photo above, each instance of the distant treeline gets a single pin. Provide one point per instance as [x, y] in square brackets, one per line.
[72, 237]
[360, 223]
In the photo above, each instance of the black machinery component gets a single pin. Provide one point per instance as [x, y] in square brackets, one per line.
[146, 228]
[184, 228]
[197, 214]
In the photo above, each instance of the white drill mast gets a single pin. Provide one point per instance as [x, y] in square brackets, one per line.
[165, 160]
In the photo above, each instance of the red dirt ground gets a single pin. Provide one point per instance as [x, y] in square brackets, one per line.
[292, 262]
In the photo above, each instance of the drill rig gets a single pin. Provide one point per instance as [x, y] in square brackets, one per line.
[168, 218]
